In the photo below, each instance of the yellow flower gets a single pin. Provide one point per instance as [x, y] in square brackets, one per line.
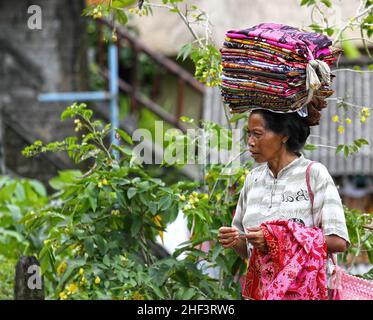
[242, 179]
[97, 280]
[98, 15]
[62, 268]
[365, 110]
[81, 271]
[137, 296]
[341, 129]
[205, 196]
[348, 121]
[99, 185]
[363, 119]
[104, 182]
[335, 119]
[158, 221]
[72, 288]
[182, 197]
[83, 281]
[114, 37]
[63, 295]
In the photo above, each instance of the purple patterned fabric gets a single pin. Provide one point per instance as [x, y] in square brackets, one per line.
[286, 37]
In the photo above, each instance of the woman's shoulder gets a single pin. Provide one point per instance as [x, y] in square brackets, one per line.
[319, 171]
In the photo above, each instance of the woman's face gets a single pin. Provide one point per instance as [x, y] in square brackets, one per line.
[264, 144]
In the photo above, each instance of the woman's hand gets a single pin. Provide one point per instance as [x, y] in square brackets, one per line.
[228, 236]
[256, 237]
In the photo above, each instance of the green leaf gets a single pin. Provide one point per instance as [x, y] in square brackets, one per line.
[89, 247]
[363, 141]
[164, 203]
[125, 136]
[93, 203]
[185, 51]
[237, 117]
[329, 31]
[328, 3]
[135, 226]
[188, 294]
[350, 49]
[346, 151]
[101, 244]
[339, 148]
[310, 147]
[38, 187]
[131, 192]
[186, 119]
[125, 151]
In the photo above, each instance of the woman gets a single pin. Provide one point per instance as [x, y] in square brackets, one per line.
[277, 189]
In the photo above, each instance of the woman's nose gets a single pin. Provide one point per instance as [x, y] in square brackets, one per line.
[250, 141]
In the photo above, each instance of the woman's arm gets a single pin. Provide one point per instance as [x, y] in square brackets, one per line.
[336, 244]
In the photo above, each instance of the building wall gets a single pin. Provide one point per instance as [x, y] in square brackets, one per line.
[166, 33]
[38, 61]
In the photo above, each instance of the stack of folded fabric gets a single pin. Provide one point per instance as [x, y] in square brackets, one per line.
[277, 67]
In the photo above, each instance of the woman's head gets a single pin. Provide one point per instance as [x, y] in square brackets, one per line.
[271, 133]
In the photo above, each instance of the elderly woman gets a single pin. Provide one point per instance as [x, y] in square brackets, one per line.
[277, 189]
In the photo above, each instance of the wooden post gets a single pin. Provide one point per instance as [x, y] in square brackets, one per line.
[29, 283]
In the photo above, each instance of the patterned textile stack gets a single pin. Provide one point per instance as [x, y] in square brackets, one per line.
[276, 67]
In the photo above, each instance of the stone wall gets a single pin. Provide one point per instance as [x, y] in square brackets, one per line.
[52, 59]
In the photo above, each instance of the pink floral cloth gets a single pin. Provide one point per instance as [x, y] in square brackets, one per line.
[294, 267]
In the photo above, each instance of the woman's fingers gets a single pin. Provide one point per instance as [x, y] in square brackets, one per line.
[253, 229]
[228, 236]
[252, 235]
[228, 243]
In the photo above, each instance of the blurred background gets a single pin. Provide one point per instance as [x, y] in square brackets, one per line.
[70, 54]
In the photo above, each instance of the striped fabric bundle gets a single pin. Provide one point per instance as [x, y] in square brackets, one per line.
[276, 67]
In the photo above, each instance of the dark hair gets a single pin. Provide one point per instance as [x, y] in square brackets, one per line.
[291, 125]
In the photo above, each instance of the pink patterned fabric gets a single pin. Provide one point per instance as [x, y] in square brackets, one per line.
[294, 267]
[308, 44]
[349, 287]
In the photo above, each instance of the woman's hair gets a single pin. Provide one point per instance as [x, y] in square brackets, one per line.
[291, 125]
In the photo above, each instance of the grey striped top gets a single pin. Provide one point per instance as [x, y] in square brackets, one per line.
[265, 198]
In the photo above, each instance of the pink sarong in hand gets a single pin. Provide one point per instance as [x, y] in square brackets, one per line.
[294, 267]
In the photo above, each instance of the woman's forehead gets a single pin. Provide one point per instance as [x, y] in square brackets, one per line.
[256, 120]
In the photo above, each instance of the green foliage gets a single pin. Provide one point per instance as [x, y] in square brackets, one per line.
[351, 149]
[359, 227]
[18, 197]
[208, 65]
[103, 224]
[7, 270]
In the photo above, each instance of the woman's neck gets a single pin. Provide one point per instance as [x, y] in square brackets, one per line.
[280, 162]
